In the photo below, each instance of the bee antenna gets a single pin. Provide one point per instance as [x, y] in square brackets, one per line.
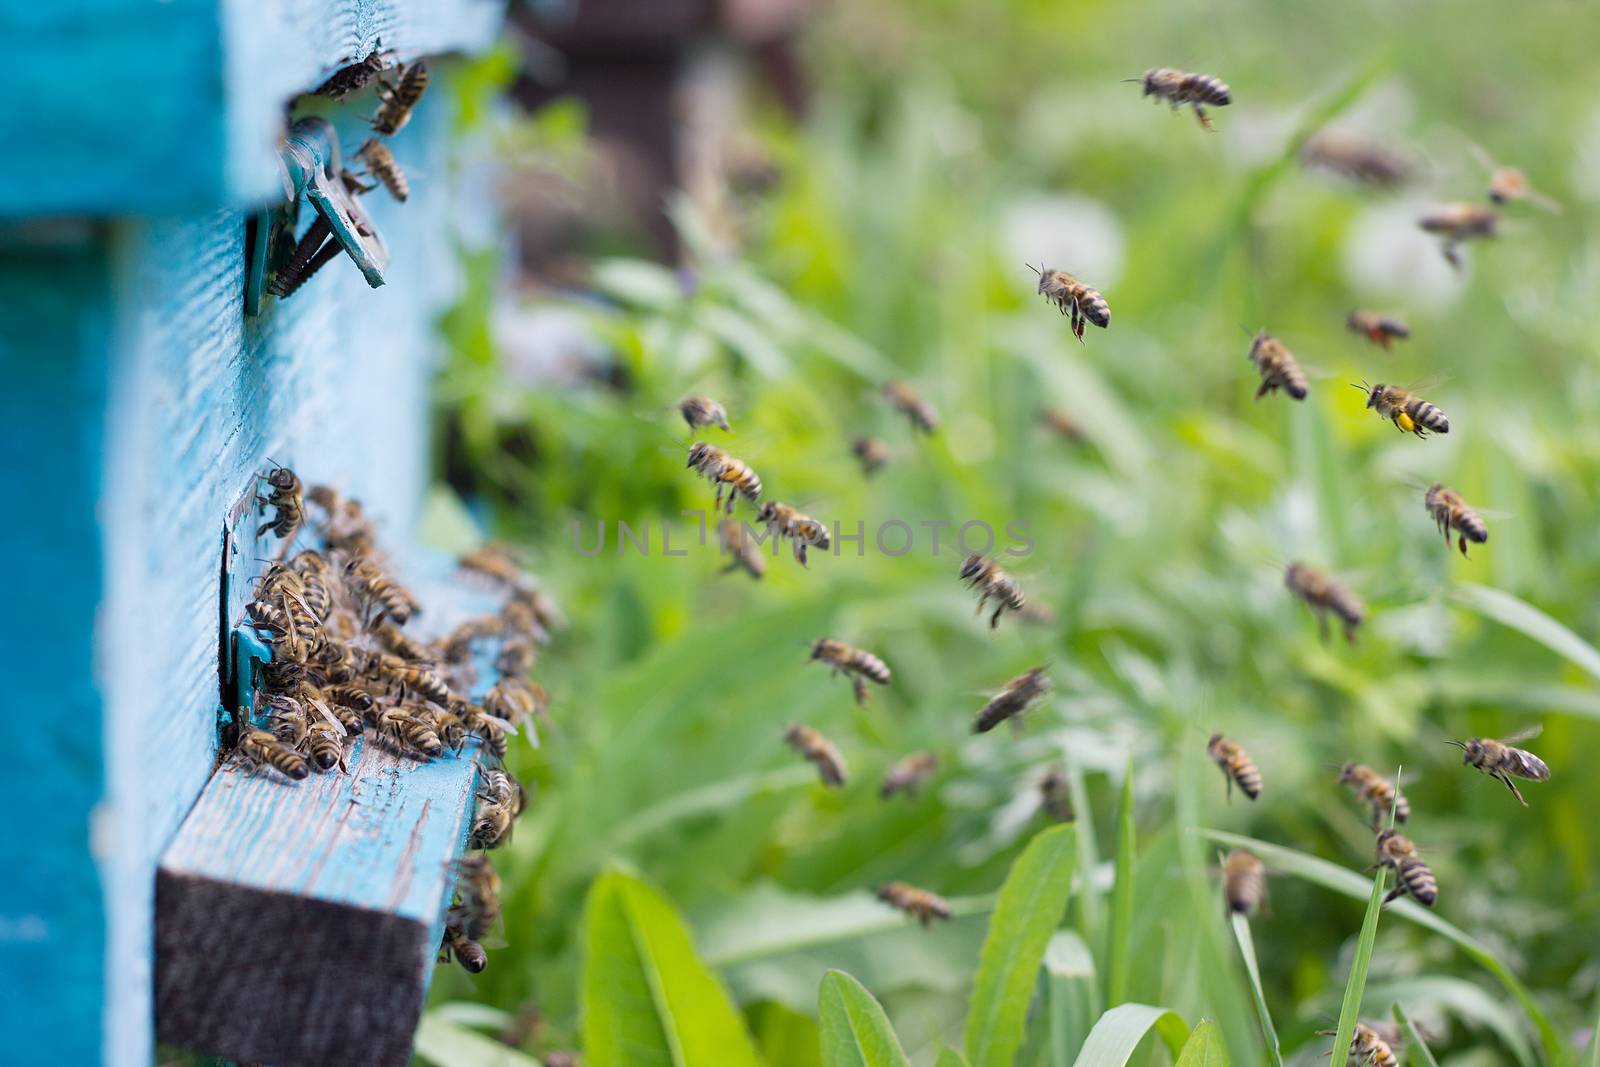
[1362, 385]
[1035, 270]
[1462, 745]
[1138, 79]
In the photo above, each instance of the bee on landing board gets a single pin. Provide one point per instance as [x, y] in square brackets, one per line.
[871, 453]
[262, 748]
[1277, 366]
[1450, 512]
[288, 498]
[1374, 790]
[908, 774]
[1367, 1048]
[1381, 330]
[1459, 223]
[861, 667]
[1244, 882]
[700, 411]
[801, 530]
[353, 76]
[396, 101]
[741, 549]
[992, 583]
[918, 903]
[1013, 701]
[725, 472]
[1406, 410]
[820, 751]
[906, 400]
[381, 165]
[1072, 297]
[1412, 876]
[1498, 759]
[1324, 596]
[1238, 768]
[1179, 87]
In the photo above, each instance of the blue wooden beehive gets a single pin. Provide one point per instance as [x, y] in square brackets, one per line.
[139, 402]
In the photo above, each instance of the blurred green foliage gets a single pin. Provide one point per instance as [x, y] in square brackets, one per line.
[945, 138]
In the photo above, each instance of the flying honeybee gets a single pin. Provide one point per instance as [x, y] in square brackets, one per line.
[802, 530]
[739, 545]
[1367, 1048]
[1458, 223]
[1412, 876]
[1381, 330]
[1072, 297]
[262, 748]
[861, 667]
[700, 411]
[1357, 157]
[1450, 512]
[1499, 759]
[1237, 767]
[395, 102]
[725, 472]
[820, 751]
[1377, 792]
[288, 499]
[1508, 184]
[1278, 367]
[1178, 87]
[1323, 595]
[1244, 882]
[1055, 798]
[907, 775]
[918, 903]
[349, 78]
[1407, 411]
[1013, 700]
[1063, 425]
[985, 575]
[871, 453]
[380, 163]
[909, 403]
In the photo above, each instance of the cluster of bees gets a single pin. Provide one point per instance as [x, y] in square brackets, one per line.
[343, 666]
[1243, 875]
[396, 101]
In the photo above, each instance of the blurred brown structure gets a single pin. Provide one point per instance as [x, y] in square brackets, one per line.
[626, 60]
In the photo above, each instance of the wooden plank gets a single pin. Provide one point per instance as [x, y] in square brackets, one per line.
[297, 922]
[212, 77]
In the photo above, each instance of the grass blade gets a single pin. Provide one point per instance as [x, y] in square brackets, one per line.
[1118, 1032]
[1031, 902]
[1348, 882]
[1118, 961]
[1247, 949]
[447, 1044]
[1356, 984]
[1519, 615]
[1204, 1047]
[1416, 1049]
[949, 1057]
[855, 1030]
[1071, 995]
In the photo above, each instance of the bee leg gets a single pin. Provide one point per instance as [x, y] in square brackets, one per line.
[860, 689]
[1395, 893]
[1451, 256]
[1462, 542]
[1266, 387]
[1205, 120]
[994, 620]
[1506, 778]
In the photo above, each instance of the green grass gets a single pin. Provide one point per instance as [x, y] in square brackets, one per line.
[948, 142]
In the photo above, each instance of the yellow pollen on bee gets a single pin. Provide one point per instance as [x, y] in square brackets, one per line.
[1403, 421]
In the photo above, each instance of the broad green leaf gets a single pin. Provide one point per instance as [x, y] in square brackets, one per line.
[1030, 906]
[1118, 961]
[1523, 617]
[1118, 1032]
[647, 999]
[1204, 1047]
[447, 1044]
[785, 1036]
[949, 1057]
[855, 1031]
[637, 281]
[1351, 884]
[1416, 1049]
[1072, 995]
[1356, 984]
[1247, 949]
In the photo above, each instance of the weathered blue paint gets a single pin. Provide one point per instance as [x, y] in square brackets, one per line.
[142, 107]
[139, 404]
[313, 158]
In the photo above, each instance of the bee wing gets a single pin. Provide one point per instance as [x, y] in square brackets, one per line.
[333, 720]
[1523, 735]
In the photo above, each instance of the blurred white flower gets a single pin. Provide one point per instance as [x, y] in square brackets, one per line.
[1387, 256]
[1070, 233]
